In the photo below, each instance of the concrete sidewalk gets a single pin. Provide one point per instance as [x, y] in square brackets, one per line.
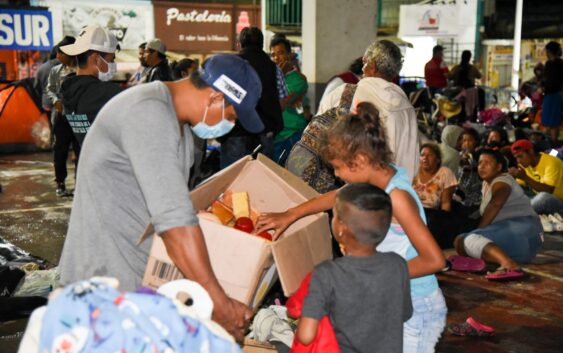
[527, 314]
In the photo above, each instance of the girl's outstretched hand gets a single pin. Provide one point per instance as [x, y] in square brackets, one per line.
[278, 222]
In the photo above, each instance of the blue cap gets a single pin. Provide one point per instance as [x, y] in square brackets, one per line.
[237, 80]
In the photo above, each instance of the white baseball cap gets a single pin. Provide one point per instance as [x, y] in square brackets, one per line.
[92, 38]
[156, 45]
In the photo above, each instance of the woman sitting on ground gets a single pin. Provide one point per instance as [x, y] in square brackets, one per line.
[434, 184]
[509, 231]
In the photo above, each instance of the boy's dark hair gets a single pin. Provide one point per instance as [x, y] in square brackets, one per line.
[471, 132]
[67, 40]
[142, 45]
[278, 39]
[357, 133]
[498, 156]
[437, 49]
[435, 149]
[357, 198]
[251, 37]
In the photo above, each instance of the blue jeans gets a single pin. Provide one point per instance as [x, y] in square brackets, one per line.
[546, 203]
[423, 330]
[237, 147]
[519, 237]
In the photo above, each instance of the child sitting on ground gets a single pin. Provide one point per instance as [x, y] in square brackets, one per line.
[366, 294]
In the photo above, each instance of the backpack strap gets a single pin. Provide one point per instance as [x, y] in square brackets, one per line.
[347, 97]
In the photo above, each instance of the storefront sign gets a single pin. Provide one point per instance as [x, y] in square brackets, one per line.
[131, 22]
[435, 20]
[26, 29]
[202, 28]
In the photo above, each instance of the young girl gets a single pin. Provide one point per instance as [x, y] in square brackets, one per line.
[509, 230]
[357, 149]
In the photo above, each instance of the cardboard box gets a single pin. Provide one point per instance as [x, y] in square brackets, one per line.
[246, 265]
[252, 346]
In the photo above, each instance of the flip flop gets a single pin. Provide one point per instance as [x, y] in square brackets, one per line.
[503, 274]
[466, 264]
[471, 327]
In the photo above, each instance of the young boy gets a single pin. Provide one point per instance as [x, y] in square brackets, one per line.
[365, 294]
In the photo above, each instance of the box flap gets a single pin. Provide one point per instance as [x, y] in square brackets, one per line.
[291, 179]
[267, 191]
[298, 253]
[208, 191]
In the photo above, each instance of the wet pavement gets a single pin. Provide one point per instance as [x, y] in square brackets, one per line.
[527, 315]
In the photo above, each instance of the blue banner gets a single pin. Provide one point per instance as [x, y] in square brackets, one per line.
[26, 29]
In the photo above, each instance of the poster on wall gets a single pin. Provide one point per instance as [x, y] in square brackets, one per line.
[437, 20]
[202, 28]
[131, 22]
[26, 29]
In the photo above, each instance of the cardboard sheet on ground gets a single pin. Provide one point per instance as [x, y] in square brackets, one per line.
[247, 265]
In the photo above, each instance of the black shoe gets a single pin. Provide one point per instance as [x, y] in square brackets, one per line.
[61, 189]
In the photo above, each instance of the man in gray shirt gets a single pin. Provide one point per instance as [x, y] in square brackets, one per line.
[134, 171]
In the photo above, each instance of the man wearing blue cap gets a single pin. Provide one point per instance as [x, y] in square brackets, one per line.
[134, 171]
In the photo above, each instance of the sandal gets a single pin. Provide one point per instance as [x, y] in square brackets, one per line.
[504, 274]
[466, 264]
[471, 327]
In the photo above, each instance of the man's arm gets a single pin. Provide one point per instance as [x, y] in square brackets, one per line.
[186, 248]
[52, 84]
[521, 174]
[501, 191]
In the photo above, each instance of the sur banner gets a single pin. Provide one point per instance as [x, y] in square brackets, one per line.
[26, 29]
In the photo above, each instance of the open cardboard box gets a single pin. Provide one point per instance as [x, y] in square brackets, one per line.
[247, 265]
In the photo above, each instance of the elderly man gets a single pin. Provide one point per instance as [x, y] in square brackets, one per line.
[382, 63]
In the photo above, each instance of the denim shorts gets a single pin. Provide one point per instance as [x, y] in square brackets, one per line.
[520, 238]
[423, 330]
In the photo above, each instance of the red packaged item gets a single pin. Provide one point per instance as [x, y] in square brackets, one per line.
[325, 342]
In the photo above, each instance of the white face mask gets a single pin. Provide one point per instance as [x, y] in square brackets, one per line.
[204, 131]
[112, 70]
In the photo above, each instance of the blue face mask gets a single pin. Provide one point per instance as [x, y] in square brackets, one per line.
[204, 131]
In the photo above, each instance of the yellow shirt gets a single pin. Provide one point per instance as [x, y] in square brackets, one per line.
[549, 171]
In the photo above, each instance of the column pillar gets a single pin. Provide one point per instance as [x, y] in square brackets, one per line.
[334, 32]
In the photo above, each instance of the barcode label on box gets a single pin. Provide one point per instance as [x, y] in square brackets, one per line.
[166, 271]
